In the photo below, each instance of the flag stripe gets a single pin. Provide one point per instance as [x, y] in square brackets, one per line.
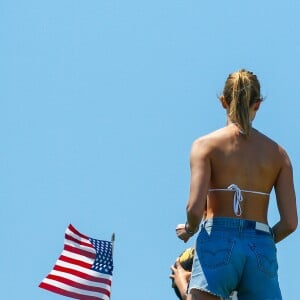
[79, 257]
[78, 241]
[79, 251]
[75, 261]
[67, 287]
[60, 291]
[75, 231]
[78, 285]
[72, 235]
[82, 275]
[84, 270]
[80, 279]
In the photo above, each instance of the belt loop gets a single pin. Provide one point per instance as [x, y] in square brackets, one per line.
[241, 225]
[202, 223]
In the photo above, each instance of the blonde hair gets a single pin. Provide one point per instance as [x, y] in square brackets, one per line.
[241, 90]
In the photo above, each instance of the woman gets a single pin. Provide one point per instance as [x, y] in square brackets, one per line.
[233, 171]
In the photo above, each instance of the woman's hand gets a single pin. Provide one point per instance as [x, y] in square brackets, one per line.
[182, 233]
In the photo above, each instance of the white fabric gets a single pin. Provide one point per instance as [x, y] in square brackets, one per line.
[237, 196]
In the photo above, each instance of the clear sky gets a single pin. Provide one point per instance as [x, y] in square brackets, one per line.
[100, 102]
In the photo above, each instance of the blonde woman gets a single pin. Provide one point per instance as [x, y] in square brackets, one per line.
[233, 171]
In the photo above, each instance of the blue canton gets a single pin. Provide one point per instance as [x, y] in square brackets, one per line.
[103, 262]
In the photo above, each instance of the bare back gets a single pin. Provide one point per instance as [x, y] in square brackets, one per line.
[252, 163]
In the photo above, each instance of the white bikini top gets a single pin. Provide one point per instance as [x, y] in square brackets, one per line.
[237, 197]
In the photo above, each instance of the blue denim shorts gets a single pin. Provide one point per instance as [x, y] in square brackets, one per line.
[236, 255]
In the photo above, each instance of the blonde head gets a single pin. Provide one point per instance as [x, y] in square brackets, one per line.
[241, 90]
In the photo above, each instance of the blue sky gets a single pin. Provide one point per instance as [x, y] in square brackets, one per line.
[100, 102]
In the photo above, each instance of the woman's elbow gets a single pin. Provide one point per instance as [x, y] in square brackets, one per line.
[294, 225]
[291, 225]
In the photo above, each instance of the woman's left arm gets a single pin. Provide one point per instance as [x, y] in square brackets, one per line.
[199, 184]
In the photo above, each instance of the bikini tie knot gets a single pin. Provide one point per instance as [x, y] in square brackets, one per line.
[237, 199]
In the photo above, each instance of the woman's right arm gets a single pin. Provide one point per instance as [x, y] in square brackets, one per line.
[286, 200]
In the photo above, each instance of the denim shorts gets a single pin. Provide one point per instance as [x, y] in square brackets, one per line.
[236, 255]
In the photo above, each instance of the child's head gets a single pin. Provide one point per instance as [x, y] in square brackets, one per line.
[186, 261]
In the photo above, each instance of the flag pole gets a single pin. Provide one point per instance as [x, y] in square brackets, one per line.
[113, 242]
[112, 248]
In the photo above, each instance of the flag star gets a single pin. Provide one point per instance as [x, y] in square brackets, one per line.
[103, 261]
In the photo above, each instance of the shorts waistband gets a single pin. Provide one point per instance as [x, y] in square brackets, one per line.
[241, 224]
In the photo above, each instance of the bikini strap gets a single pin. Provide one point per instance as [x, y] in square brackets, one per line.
[237, 197]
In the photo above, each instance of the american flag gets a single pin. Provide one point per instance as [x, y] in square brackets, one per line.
[83, 270]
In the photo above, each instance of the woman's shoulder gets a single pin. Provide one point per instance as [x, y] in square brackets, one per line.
[263, 138]
[209, 141]
[212, 137]
[273, 147]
